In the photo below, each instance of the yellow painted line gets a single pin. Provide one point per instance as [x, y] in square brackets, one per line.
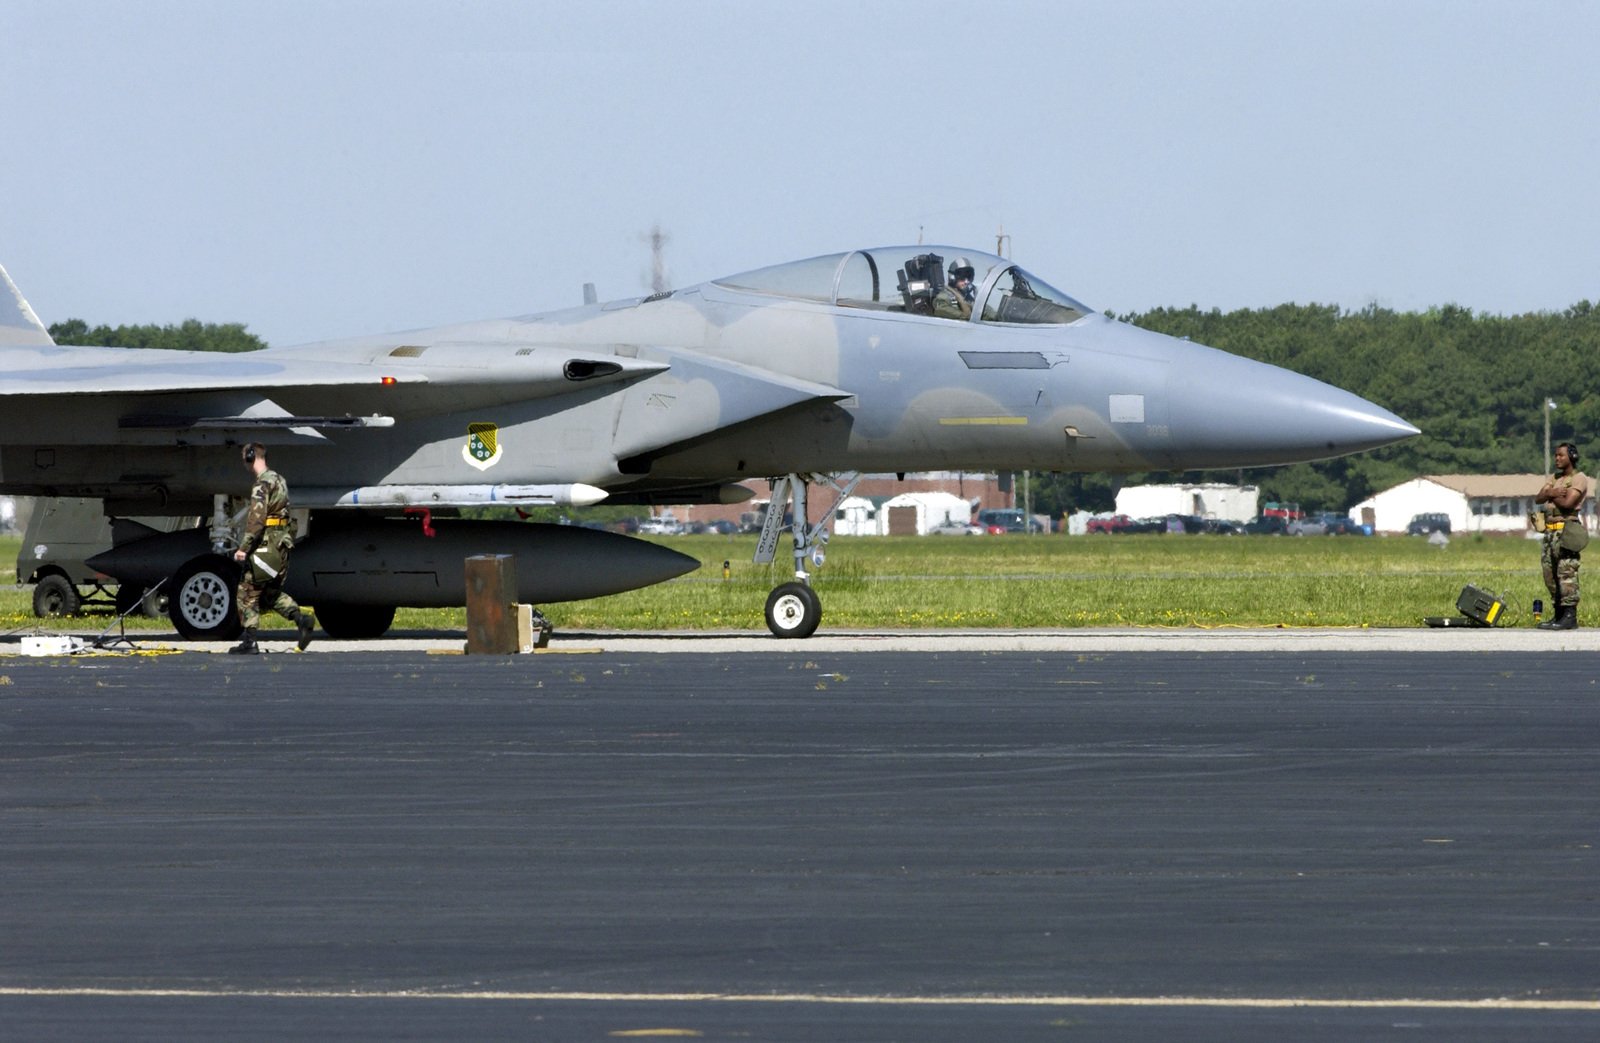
[983, 421]
[1229, 1002]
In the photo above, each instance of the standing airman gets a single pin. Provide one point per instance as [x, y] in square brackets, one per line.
[1564, 536]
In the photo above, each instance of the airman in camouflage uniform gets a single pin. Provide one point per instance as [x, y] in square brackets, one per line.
[264, 554]
[1564, 536]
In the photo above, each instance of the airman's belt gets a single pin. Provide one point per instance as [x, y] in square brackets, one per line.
[1554, 526]
[273, 522]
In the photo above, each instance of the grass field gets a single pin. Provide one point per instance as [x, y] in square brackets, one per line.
[1043, 581]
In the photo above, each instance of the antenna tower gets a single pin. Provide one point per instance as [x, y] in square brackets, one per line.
[658, 265]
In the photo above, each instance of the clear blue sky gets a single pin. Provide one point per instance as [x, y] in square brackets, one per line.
[321, 169]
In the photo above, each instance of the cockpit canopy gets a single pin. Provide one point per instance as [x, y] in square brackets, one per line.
[909, 278]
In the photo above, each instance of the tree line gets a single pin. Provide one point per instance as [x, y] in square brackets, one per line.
[189, 335]
[1474, 384]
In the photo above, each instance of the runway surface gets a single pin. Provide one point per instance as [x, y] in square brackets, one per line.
[801, 844]
[1080, 639]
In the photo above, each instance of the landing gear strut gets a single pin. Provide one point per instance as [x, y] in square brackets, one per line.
[793, 609]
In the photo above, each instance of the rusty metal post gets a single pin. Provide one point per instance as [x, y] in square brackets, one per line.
[491, 609]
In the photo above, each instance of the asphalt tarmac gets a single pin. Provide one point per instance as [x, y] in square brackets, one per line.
[801, 844]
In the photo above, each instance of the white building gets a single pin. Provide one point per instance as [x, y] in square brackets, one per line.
[916, 513]
[860, 516]
[1236, 503]
[1473, 502]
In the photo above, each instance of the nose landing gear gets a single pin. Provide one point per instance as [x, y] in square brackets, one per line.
[793, 609]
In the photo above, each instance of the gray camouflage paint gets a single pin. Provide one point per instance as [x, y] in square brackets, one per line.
[713, 384]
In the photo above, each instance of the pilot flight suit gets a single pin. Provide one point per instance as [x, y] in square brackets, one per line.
[951, 303]
[267, 542]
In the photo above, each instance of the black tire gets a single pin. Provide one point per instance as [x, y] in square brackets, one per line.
[150, 605]
[354, 622]
[202, 599]
[793, 610]
[54, 595]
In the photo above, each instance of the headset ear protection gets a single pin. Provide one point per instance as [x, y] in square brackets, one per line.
[250, 453]
[1572, 454]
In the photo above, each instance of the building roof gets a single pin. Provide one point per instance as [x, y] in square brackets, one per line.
[1491, 485]
[1193, 485]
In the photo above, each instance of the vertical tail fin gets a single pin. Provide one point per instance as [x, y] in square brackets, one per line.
[19, 326]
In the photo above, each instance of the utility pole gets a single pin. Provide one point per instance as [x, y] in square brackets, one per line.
[658, 265]
[1549, 404]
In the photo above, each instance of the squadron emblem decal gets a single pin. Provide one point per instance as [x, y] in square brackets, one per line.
[483, 446]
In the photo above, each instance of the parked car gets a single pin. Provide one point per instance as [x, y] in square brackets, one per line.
[957, 528]
[1313, 525]
[1423, 524]
[1185, 523]
[1270, 526]
[1344, 525]
[999, 520]
[1115, 523]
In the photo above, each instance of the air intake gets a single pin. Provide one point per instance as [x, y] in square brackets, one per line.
[586, 369]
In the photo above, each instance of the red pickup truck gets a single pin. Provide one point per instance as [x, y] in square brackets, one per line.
[1115, 523]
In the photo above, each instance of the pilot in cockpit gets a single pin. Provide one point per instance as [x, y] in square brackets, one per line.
[955, 300]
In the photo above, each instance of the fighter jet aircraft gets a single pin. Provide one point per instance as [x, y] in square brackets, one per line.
[807, 372]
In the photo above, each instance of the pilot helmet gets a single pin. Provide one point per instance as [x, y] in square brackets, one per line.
[961, 268]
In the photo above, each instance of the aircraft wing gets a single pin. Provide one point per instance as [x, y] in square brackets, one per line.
[130, 371]
[203, 396]
[153, 396]
[534, 372]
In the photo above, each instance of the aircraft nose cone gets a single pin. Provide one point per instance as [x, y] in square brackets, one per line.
[1236, 412]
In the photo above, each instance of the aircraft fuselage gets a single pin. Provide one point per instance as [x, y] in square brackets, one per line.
[715, 383]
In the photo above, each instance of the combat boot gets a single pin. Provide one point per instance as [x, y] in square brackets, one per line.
[1566, 618]
[304, 626]
[246, 645]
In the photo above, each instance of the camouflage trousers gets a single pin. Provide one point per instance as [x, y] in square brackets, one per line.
[1560, 571]
[252, 596]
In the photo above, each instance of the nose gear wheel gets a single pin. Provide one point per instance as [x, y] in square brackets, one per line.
[793, 610]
